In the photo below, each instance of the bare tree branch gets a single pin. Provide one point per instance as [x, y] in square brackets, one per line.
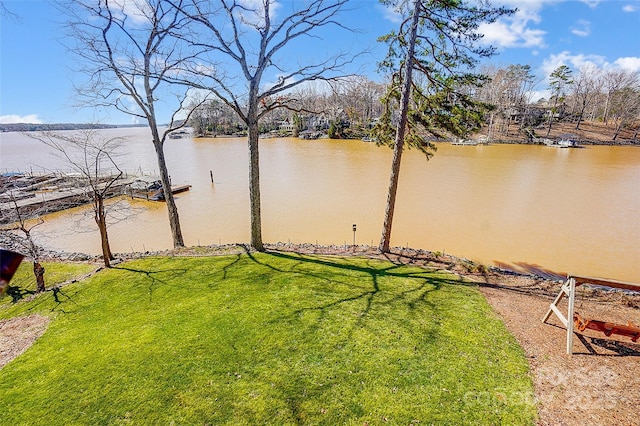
[20, 234]
[133, 59]
[253, 42]
[93, 157]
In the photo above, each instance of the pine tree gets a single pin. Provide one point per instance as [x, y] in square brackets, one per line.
[439, 40]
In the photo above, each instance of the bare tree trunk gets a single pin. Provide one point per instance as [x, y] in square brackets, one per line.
[28, 244]
[605, 114]
[399, 141]
[88, 154]
[254, 168]
[254, 190]
[172, 209]
[581, 115]
[490, 129]
[617, 131]
[38, 271]
[101, 220]
[551, 114]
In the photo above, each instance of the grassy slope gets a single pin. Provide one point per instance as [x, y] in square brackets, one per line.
[269, 339]
[23, 283]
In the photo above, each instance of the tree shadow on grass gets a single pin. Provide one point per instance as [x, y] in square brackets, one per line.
[351, 316]
[154, 276]
[18, 293]
[58, 294]
[374, 269]
[226, 268]
[36, 300]
[414, 297]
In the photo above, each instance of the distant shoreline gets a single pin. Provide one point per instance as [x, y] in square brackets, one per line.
[513, 139]
[580, 143]
[36, 127]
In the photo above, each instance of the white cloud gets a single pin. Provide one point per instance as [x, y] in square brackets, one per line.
[580, 61]
[512, 31]
[516, 30]
[514, 34]
[390, 14]
[281, 80]
[13, 118]
[252, 13]
[136, 10]
[629, 63]
[629, 8]
[574, 62]
[591, 3]
[582, 28]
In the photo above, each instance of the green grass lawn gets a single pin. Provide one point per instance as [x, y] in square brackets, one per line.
[268, 339]
[23, 283]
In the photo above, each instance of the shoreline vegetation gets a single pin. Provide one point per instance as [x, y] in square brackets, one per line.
[405, 255]
[40, 127]
[589, 133]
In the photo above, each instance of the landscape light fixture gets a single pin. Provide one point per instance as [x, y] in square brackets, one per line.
[354, 234]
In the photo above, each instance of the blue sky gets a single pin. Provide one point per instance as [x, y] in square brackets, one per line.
[37, 74]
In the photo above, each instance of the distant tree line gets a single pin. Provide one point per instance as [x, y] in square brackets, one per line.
[350, 107]
[43, 127]
[346, 108]
[611, 97]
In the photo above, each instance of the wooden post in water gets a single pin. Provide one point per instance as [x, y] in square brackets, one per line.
[211, 173]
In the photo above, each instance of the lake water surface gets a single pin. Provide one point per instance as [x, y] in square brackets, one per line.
[564, 210]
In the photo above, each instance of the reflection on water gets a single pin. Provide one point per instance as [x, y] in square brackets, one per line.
[562, 210]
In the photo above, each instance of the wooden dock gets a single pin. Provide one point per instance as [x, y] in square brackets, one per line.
[156, 195]
[42, 194]
[31, 203]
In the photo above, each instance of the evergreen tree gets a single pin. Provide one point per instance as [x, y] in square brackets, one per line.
[438, 39]
[559, 80]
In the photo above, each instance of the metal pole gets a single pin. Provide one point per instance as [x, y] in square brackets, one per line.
[570, 311]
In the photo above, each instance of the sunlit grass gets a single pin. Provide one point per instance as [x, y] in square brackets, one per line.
[268, 339]
[23, 283]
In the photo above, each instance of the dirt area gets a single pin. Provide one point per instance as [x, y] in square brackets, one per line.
[17, 334]
[599, 384]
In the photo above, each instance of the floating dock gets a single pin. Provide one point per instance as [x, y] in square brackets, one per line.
[157, 195]
[150, 188]
[36, 195]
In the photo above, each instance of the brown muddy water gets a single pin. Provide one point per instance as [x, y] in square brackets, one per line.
[564, 210]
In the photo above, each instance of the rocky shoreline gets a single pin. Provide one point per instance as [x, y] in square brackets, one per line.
[545, 285]
[413, 256]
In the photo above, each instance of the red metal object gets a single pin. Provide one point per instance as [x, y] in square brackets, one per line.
[608, 328]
